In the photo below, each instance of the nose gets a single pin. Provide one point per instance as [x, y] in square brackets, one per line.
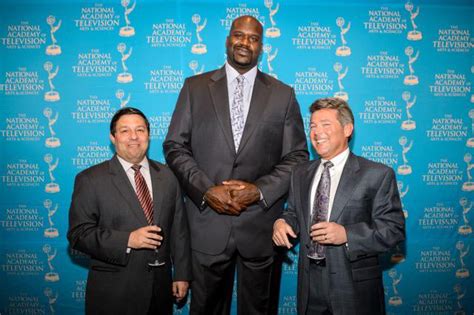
[245, 40]
[133, 135]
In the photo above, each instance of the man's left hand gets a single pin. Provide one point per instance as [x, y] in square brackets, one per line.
[247, 193]
[180, 288]
[328, 233]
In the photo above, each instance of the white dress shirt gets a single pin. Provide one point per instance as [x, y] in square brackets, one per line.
[249, 80]
[145, 170]
[335, 172]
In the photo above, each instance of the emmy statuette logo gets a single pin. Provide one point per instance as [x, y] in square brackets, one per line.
[405, 169]
[402, 195]
[194, 65]
[199, 48]
[53, 49]
[267, 49]
[340, 75]
[408, 124]
[460, 293]
[395, 299]
[411, 79]
[470, 141]
[124, 76]
[50, 276]
[273, 31]
[469, 185]
[51, 95]
[50, 232]
[52, 298]
[414, 34]
[343, 51]
[465, 229]
[53, 141]
[462, 272]
[120, 94]
[51, 187]
[127, 30]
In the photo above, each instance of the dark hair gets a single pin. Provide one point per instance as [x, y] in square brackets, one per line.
[127, 111]
[344, 112]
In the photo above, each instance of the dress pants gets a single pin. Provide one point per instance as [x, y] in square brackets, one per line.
[319, 302]
[214, 278]
[162, 298]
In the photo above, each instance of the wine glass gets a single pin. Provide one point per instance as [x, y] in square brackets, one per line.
[157, 260]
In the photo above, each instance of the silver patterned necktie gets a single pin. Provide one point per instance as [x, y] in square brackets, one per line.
[320, 210]
[237, 112]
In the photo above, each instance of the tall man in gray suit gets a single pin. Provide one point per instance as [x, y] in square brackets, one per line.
[235, 136]
[128, 215]
[346, 210]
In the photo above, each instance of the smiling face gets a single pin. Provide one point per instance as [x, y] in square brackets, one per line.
[328, 136]
[131, 138]
[244, 44]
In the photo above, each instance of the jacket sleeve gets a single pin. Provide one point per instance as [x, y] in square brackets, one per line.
[85, 234]
[387, 226]
[289, 215]
[294, 151]
[178, 151]
[180, 246]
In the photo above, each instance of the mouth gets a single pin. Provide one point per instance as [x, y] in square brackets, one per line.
[321, 141]
[242, 51]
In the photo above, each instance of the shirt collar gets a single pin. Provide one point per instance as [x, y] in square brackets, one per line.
[127, 165]
[231, 74]
[339, 159]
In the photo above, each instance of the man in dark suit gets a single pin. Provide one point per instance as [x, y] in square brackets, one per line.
[114, 219]
[357, 204]
[234, 137]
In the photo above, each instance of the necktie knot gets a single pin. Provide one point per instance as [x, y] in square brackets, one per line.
[328, 164]
[240, 80]
[136, 167]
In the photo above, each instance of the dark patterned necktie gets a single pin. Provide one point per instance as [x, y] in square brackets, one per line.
[320, 209]
[143, 194]
[237, 112]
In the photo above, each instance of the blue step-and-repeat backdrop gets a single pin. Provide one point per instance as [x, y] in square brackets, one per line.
[406, 68]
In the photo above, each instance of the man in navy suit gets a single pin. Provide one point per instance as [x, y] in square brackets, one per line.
[363, 219]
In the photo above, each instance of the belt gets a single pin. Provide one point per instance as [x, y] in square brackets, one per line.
[318, 262]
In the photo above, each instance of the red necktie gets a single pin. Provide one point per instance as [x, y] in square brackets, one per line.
[143, 194]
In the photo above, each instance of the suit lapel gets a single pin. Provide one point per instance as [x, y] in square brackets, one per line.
[306, 182]
[156, 182]
[258, 103]
[346, 186]
[220, 100]
[123, 185]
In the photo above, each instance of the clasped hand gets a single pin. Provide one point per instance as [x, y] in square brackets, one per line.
[232, 196]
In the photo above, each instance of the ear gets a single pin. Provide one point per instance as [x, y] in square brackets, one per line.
[112, 138]
[348, 129]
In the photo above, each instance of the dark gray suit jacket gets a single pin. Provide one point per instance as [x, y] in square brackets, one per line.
[199, 148]
[104, 210]
[367, 204]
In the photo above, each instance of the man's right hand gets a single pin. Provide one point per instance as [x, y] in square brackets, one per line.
[281, 230]
[219, 199]
[145, 237]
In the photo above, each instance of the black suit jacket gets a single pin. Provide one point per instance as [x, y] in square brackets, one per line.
[367, 204]
[104, 210]
[199, 148]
